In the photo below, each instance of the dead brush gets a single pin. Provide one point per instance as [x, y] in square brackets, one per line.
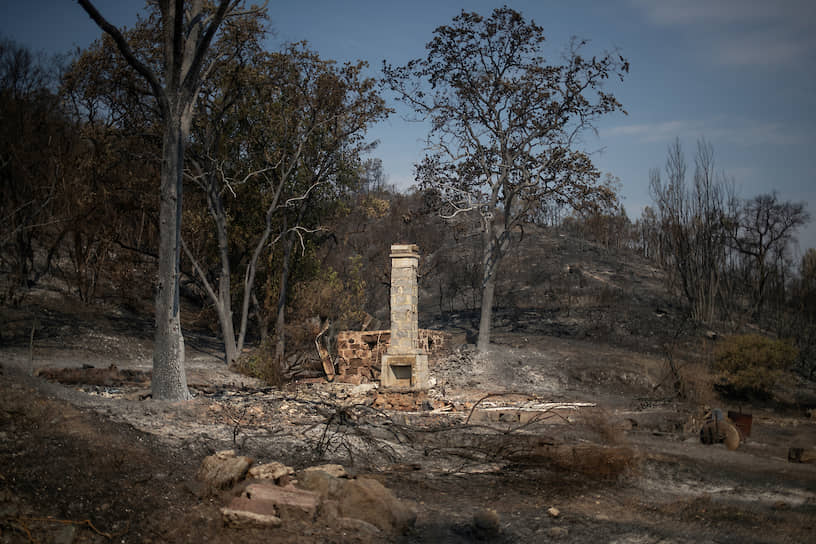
[591, 444]
[594, 460]
[697, 383]
[360, 433]
[260, 363]
[598, 424]
[601, 451]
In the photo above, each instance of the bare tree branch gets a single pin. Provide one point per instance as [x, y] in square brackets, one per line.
[127, 52]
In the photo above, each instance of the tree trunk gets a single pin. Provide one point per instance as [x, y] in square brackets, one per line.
[489, 266]
[169, 381]
[232, 348]
[185, 46]
[280, 320]
[488, 289]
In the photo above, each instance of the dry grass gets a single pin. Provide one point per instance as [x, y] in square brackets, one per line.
[603, 430]
[596, 461]
[697, 383]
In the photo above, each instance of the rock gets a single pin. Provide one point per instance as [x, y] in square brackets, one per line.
[358, 526]
[330, 510]
[197, 489]
[277, 472]
[223, 469]
[140, 394]
[802, 455]
[322, 483]
[557, 532]
[486, 523]
[289, 502]
[334, 470]
[554, 512]
[809, 456]
[362, 389]
[372, 502]
[242, 518]
[254, 505]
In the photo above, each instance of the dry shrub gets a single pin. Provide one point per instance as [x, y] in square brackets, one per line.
[260, 363]
[697, 383]
[597, 422]
[374, 207]
[607, 459]
[597, 461]
[593, 460]
[751, 364]
[301, 334]
[603, 462]
[204, 319]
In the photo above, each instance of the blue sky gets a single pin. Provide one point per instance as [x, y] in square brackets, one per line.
[740, 73]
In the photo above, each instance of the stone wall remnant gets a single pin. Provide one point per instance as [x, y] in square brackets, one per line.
[360, 352]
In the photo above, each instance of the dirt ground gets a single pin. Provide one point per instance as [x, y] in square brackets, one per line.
[86, 456]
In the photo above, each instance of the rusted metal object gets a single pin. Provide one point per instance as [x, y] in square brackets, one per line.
[742, 422]
[718, 429]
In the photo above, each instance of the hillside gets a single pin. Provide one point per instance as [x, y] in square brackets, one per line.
[570, 409]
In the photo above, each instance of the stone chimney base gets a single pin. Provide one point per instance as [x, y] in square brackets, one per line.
[405, 371]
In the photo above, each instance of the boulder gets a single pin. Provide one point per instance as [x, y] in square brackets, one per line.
[322, 483]
[368, 500]
[358, 526]
[277, 472]
[254, 505]
[223, 469]
[362, 505]
[288, 502]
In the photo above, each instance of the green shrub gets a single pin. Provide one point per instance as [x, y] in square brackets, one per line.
[751, 364]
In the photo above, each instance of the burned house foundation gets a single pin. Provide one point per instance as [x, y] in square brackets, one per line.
[402, 351]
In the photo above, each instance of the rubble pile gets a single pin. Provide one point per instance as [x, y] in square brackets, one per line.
[270, 495]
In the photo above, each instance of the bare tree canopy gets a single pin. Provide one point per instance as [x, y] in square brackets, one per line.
[765, 229]
[506, 125]
[693, 225]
